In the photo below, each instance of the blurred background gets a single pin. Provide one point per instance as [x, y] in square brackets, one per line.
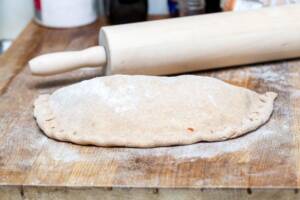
[15, 14]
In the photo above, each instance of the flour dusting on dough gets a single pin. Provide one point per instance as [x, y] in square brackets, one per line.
[148, 111]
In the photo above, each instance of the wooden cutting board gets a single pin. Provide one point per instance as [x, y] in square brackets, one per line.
[32, 164]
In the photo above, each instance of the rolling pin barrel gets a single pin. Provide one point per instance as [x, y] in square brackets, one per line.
[201, 42]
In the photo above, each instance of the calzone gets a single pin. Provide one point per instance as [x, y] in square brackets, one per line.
[151, 111]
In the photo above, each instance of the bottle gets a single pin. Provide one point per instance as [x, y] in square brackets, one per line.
[173, 8]
[186, 7]
[191, 7]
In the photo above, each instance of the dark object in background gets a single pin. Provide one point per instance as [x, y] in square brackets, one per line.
[186, 7]
[173, 8]
[212, 6]
[193, 7]
[127, 11]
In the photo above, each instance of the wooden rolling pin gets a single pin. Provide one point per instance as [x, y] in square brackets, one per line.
[186, 44]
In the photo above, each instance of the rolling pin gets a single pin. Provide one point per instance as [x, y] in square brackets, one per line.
[186, 44]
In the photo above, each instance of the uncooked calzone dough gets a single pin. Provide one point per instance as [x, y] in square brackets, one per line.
[149, 111]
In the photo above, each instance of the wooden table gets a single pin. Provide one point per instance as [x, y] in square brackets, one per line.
[262, 164]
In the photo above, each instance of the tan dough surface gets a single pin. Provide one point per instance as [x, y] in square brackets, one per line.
[149, 111]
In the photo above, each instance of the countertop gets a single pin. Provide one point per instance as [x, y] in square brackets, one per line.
[262, 164]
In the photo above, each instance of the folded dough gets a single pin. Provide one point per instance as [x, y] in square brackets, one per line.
[150, 111]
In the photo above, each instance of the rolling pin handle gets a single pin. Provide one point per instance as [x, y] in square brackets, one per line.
[55, 63]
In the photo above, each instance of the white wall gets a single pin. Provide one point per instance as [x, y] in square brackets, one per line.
[158, 7]
[14, 16]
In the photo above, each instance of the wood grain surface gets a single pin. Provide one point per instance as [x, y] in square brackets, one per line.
[266, 158]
